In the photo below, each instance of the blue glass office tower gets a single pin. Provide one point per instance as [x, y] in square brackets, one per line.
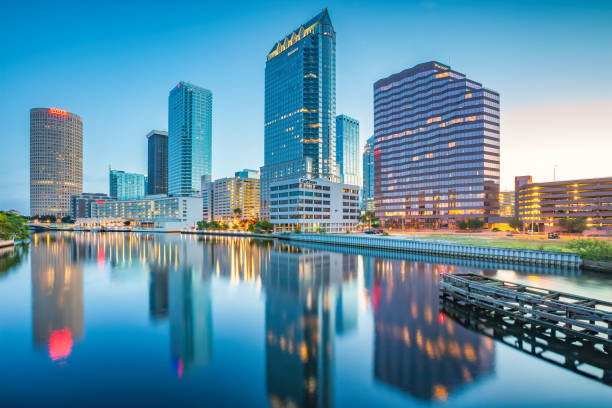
[300, 106]
[436, 148]
[367, 193]
[127, 186]
[347, 149]
[189, 138]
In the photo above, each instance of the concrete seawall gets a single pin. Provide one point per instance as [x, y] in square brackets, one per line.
[509, 255]
[7, 243]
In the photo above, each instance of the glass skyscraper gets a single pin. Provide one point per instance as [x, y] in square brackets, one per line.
[367, 193]
[347, 149]
[127, 186]
[436, 148]
[189, 138]
[300, 106]
[157, 143]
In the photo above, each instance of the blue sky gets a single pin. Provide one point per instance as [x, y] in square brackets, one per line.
[114, 64]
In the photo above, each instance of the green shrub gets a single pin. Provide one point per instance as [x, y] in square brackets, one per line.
[592, 249]
[572, 224]
[13, 226]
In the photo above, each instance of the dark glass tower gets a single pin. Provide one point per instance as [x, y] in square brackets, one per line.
[300, 106]
[157, 141]
[436, 147]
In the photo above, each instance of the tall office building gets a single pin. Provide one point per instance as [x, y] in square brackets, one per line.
[189, 138]
[367, 193]
[300, 106]
[126, 186]
[157, 141]
[56, 160]
[347, 149]
[207, 192]
[436, 147]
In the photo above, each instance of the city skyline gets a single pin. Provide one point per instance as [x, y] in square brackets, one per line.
[574, 41]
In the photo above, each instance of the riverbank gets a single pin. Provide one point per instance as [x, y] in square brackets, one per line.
[430, 247]
[7, 243]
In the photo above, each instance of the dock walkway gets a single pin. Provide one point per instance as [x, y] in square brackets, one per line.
[584, 318]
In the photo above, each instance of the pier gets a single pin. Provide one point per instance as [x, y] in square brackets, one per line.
[589, 320]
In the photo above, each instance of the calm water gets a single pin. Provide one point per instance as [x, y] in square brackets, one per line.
[172, 320]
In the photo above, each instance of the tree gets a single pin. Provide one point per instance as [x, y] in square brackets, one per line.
[13, 226]
[368, 217]
[475, 223]
[516, 224]
[572, 225]
[462, 224]
[263, 226]
[237, 211]
[67, 219]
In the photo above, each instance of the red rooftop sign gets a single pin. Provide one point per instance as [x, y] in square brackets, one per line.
[60, 112]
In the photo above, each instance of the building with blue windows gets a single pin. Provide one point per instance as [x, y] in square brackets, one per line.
[189, 138]
[157, 144]
[300, 106]
[436, 147]
[347, 149]
[127, 186]
[367, 192]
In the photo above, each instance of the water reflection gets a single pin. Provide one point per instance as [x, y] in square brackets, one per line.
[417, 349]
[57, 296]
[312, 300]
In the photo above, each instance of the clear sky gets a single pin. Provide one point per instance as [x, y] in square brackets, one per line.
[113, 63]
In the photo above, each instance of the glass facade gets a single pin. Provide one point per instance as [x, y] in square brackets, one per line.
[157, 141]
[127, 186]
[367, 193]
[436, 147]
[347, 149]
[56, 160]
[300, 106]
[189, 138]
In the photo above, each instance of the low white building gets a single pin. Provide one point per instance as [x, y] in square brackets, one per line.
[156, 211]
[313, 204]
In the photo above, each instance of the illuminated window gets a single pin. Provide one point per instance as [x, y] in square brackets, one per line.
[442, 74]
[468, 96]
[451, 144]
[415, 158]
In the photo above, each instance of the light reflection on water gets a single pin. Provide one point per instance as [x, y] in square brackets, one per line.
[318, 328]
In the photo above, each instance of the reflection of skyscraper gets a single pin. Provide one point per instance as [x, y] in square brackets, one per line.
[416, 348]
[190, 317]
[57, 297]
[346, 307]
[300, 308]
[158, 292]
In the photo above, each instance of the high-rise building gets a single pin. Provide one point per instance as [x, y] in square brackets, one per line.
[347, 149]
[436, 148]
[127, 186]
[189, 138]
[506, 204]
[237, 197]
[56, 160]
[207, 192]
[80, 205]
[300, 106]
[367, 193]
[157, 141]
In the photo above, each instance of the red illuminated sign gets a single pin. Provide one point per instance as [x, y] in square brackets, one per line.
[376, 152]
[60, 112]
[100, 202]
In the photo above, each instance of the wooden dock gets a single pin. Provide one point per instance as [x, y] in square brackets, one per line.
[535, 308]
[582, 357]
